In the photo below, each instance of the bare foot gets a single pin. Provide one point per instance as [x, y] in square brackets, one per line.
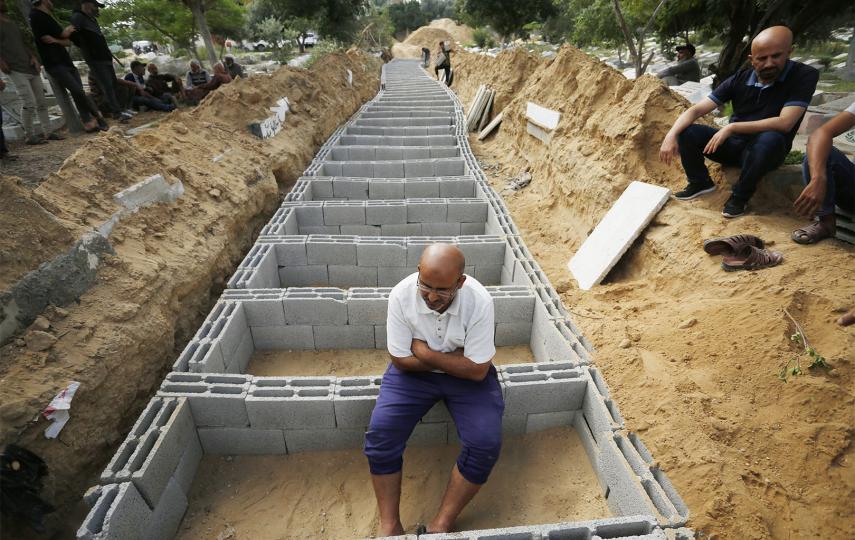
[393, 529]
[437, 526]
[847, 319]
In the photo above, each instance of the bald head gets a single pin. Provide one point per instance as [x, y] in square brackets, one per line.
[441, 275]
[770, 52]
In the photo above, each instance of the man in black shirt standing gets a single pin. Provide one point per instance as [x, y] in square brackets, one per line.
[769, 100]
[96, 52]
[51, 41]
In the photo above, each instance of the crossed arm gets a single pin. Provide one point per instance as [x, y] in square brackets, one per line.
[453, 363]
[62, 40]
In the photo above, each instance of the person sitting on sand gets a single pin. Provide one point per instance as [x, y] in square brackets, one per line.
[196, 76]
[164, 86]
[829, 179]
[686, 69]
[440, 338]
[769, 100]
[235, 70]
[221, 77]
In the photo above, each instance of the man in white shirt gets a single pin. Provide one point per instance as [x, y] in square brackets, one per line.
[440, 337]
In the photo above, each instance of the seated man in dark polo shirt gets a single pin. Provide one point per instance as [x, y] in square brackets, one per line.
[769, 100]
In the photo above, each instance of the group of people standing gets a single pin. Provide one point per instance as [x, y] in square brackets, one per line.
[111, 95]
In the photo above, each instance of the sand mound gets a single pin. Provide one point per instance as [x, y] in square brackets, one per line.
[31, 234]
[171, 261]
[696, 369]
[460, 32]
[425, 36]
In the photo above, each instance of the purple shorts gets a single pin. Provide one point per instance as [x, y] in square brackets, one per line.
[405, 397]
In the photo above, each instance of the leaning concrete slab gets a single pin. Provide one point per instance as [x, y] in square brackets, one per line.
[621, 225]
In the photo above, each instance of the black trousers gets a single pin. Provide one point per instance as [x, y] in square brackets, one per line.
[68, 78]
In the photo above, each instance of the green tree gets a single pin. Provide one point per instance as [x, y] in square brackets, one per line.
[335, 18]
[407, 16]
[507, 17]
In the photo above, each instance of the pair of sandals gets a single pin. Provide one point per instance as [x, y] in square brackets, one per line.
[743, 252]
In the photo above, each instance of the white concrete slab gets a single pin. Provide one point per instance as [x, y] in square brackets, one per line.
[538, 132]
[543, 117]
[618, 229]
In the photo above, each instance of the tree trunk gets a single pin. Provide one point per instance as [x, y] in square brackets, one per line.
[849, 70]
[733, 52]
[198, 9]
[25, 6]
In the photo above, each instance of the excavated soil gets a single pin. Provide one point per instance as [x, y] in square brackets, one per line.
[540, 478]
[459, 32]
[171, 261]
[350, 361]
[692, 354]
[426, 36]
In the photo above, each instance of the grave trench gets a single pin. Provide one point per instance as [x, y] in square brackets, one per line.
[318, 279]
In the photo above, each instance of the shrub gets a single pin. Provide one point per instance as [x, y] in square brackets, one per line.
[483, 38]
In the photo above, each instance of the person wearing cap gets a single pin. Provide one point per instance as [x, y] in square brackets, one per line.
[92, 43]
[51, 43]
[235, 70]
[24, 69]
[686, 69]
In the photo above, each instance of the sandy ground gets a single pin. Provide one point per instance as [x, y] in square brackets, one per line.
[540, 478]
[171, 262]
[691, 353]
[350, 362]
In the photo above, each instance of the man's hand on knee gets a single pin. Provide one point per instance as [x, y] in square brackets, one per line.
[718, 139]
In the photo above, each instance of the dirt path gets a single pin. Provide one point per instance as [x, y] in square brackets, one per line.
[538, 479]
[692, 354]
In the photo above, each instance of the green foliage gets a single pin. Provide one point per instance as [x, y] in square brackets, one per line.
[483, 38]
[793, 367]
[406, 16]
[795, 157]
[335, 18]
[507, 17]
[320, 50]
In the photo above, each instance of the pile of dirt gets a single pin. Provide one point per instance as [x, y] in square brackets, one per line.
[425, 36]
[31, 234]
[507, 74]
[692, 354]
[171, 261]
[461, 33]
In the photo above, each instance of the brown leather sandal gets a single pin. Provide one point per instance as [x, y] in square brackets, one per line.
[751, 258]
[813, 233]
[729, 245]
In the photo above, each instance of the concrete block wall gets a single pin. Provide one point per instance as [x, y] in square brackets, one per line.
[195, 414]
[396, 177]
[310, 318]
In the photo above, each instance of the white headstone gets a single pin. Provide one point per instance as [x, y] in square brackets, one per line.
[618, 229]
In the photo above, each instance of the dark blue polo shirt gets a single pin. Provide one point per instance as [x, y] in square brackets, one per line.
[753, 100]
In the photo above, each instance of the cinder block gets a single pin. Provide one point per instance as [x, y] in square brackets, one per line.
[365, 310]
[344, 213]
[385, 212]
[386, 153]
[311, 308]
[242, 441]
[362, 169]
[429, 434]
[380, 336]
[538, 392]
[415, 247]
[472, 228]
[167, 515]
[291, 251]
[422, 188]
[265, 311]
[467, 210]
[327, 251]
[353, 404]
[306, 440]
[332, 168]
[344, 337]
[449, 167]
[401, 229]
[321, 229]
[212, 404]
[291, 407]
[303, 276]
[511, 308]
[437, 413]
[386, 189]
[440, 229]
[427, 211]
[322, 188]
[299, 337]
[457, 188]
[514, 424]
[360, 230]
[542, 421]
[389, 169]
[508, 334]
[381, 253]
[352, 276]
[119, 512]
[350, 188]
[185, 472]
[389, 276]
[419, 169]
[309, 214]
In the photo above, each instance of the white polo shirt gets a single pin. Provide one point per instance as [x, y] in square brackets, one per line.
[467, 323]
